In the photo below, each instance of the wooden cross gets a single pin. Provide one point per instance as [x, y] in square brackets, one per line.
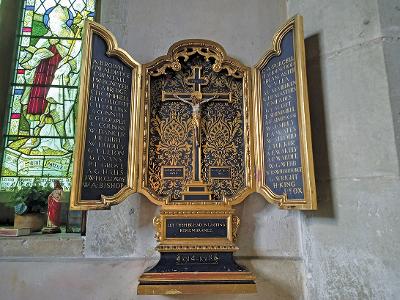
[196, 81]
[195, 99]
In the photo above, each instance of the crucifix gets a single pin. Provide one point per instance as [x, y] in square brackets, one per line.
[195, 99]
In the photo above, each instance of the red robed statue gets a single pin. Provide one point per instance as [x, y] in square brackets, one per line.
[54, 209]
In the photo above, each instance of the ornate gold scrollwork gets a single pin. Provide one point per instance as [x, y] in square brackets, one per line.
[196, 248]
[207, 49]
[235, 227]
[158, 228]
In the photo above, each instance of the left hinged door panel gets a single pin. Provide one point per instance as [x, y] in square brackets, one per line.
[106, 153]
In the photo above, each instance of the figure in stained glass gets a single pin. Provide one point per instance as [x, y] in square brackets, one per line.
[56, 63]
[41, 129]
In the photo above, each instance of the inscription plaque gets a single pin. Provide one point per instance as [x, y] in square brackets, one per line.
[197, 259]
[173, 262]
[196, 228]
[283, 171]
[106, 140]
[105, 169]
[173, 172]
[285, 164]
[220, 173]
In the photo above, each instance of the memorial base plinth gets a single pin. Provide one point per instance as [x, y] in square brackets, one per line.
[196, 245]
[173, 283]
[196, 273]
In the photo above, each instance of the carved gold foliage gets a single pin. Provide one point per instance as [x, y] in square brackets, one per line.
[173, 133]
[170, 144]
[235, 227]
[157, 227]
[207, 49]
[155, 176]
[220, 137]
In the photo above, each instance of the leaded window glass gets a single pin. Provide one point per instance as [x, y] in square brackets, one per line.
[39, 138]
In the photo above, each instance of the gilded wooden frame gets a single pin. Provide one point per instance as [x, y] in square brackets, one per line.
[223, 61]
[196, 212]
[139, 128]
[76, 203]
[309, 202]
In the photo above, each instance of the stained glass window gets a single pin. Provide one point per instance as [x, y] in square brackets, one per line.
[39, 138]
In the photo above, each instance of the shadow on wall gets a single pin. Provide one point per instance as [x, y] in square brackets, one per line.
[318, 128]
[149, 211]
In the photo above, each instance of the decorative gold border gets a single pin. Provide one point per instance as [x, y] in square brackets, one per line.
[76, 203]
[193, 212]
[228, 218]
[198, 289]
[310, 200]
[195, 277]
[208, 49]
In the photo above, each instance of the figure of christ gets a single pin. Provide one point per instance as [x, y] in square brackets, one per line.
[51, 64]
[196, 100]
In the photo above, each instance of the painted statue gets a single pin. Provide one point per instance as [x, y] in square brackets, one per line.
[54, 209]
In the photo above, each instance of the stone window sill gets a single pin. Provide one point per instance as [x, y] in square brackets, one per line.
[42, 245]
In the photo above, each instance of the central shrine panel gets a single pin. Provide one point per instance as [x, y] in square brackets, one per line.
[196, 125]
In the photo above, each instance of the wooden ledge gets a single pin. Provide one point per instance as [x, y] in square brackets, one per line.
[190, 289]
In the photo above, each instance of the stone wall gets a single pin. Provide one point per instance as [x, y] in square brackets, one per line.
[351, 244]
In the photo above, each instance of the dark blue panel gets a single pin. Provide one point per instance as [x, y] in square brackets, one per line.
[105, 167]
[173, 172]
[196, 228]
[197, 188]
[282, 157]
[196, 262]
[222, 172]
[202, 197]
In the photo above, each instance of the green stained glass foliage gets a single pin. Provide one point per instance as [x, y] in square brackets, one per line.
[39, 139]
